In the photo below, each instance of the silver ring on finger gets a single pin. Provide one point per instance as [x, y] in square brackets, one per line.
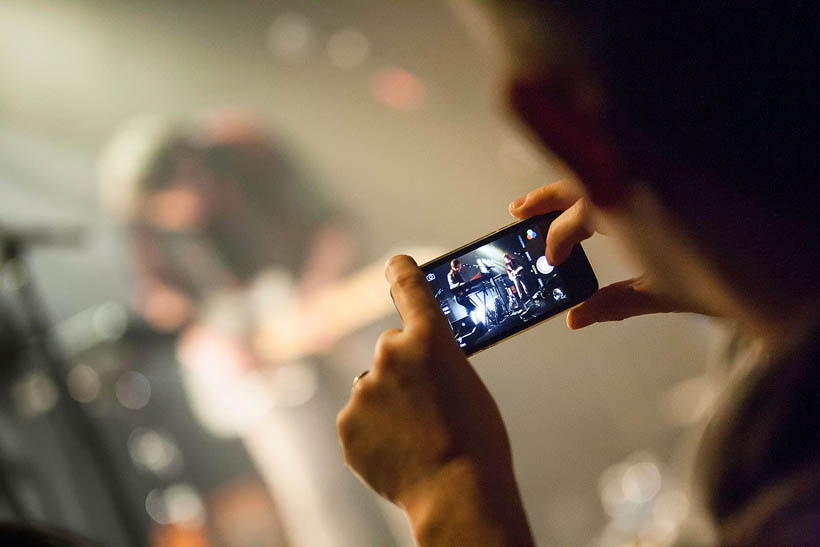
[359, 377]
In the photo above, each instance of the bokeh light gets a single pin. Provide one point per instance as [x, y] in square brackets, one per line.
[348, 49]
[398, 89]
[178, 504]
[641, 481]
[83, 384]
[34, 395]
[154, 451]
[133, 390]
[291, 38]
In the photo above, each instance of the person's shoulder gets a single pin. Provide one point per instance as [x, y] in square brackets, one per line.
[760, 458]
[786, 512]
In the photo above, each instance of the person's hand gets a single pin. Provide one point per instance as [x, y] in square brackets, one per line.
[579, 221]
[422, 430]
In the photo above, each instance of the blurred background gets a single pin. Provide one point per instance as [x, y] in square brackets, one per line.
[196, 201]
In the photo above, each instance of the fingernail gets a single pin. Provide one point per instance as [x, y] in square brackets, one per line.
[576, 320]
[518, 203]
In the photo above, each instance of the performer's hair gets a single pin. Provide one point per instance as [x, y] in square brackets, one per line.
[455, 263]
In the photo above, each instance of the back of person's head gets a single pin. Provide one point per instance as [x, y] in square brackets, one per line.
[730, 93]
[215, 153]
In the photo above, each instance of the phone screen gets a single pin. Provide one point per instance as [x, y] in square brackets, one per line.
[503, 283]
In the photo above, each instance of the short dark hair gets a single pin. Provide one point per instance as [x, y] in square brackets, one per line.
[728, 91]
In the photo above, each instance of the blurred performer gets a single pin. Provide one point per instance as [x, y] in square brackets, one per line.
[236, 253]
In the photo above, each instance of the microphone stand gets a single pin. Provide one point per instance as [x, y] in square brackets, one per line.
[13, 250]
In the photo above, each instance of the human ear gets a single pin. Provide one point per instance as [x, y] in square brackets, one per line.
[561, 114]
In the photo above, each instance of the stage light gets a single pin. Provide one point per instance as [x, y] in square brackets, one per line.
[348, 49]
[479, 314]
[291, 38]
[494, 254]
[398, 89]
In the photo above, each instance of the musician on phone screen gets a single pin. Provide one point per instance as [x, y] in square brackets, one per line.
[455, 280]
[514, 270]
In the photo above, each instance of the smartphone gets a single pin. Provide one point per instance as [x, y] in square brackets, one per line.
[502, 284]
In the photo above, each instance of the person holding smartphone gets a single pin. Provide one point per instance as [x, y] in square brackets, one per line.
[690, 137]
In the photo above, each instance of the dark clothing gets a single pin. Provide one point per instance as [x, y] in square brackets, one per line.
[21, 535]
[454, 278]
[760, 456]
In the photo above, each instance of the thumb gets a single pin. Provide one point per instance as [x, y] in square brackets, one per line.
[620, 301]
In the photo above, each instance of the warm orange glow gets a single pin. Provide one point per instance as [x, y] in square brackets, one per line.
[398, 89]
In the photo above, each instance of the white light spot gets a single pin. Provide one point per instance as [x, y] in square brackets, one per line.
[611, 490]
[110, 321]
[291, 38]
[184, 506]
[154, 451]
[641, 482]
[155, 507]
[133, 390]
[348, 49]
[83, 384]
[179, 504]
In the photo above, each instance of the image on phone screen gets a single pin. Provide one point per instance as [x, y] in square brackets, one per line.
[501, 284]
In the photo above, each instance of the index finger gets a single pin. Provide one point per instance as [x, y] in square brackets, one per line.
[557, 196]
[411, 292]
